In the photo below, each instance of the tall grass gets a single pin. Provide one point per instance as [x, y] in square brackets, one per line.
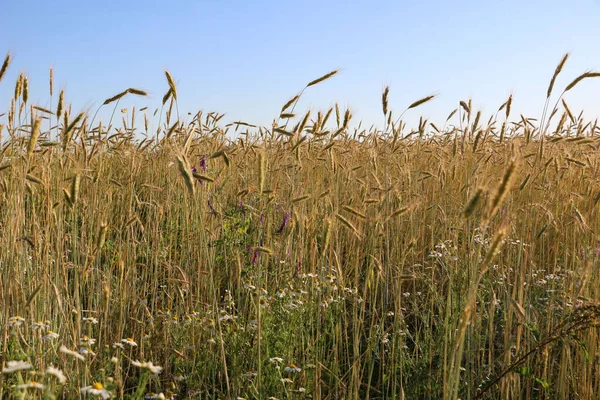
[319, 262]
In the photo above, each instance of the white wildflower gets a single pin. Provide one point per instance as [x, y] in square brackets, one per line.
[14, 366]
[57, 373]
[40, 325]
[154, 369]
[50, 335]
[97, 389]
[129, 341]
[292, 368]
[16, 321]
[71, 353]
[31, 385]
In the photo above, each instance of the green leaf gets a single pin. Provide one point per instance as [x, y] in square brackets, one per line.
[542, 382]
[523, 370]
[581, 344]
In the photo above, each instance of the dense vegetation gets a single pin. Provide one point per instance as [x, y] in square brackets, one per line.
[308, 259]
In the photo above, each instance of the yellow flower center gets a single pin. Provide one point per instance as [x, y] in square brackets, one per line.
[97, 386]
[130, 339]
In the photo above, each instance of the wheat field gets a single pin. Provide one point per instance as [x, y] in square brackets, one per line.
[309, 259]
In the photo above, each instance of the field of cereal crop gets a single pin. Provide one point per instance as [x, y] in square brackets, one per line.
[308, 259]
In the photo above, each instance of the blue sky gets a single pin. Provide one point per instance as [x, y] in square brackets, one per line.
[246, 59]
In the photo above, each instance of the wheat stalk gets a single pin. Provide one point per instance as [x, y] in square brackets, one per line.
[33, 139]
[172, 86]
[557, 71]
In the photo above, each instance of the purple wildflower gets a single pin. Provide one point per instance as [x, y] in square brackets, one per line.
[241, 207]
[203, 163]
[255, 254]
[195, 171]
[285, 221]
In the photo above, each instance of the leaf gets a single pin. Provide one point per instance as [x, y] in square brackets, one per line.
[523, 370]
[581, 344]
[542, 382]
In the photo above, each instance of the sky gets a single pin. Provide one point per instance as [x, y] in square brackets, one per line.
[247, 58]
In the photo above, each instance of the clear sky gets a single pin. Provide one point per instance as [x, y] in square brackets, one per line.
[247, 58]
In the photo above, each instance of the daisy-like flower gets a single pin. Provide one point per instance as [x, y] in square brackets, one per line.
[90, 320]
[64, 349]
[386, 338]
[16, 321]
[276, 359]
[86, 341]
[97, 389]
[14, 366]
[40, 325]
[249, 374]
[57, 373]
[178, 378]
[50, 335]
[129, 341]
[292, 368]
[86, 351]
[226, 317]
[151, 395]
[287, 380]
[212, 341]
[118, 345]
[154, 369]
[253, 324]
[31, 385]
